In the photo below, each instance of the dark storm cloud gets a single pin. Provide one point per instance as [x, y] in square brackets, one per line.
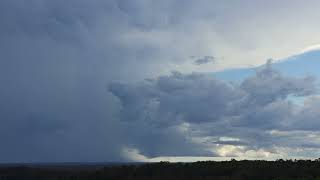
[193, 98]
[201, 98]
[249, 111]
[57, 57]
[204, 60]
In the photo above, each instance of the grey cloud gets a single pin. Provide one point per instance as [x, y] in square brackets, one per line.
[56, 58]
[195, 95]
[165, 141]
[204, 60]
[189, 97]
[214, 108]
[307, 116]
[269, 85]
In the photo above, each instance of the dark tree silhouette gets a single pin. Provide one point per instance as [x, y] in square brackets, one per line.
[279, 169]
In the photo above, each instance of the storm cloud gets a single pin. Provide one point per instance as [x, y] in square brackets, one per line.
[246, 115]
[72, 81]
[56, 59]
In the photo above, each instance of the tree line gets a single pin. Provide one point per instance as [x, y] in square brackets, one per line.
[280, 169]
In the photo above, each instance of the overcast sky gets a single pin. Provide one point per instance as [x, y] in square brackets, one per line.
[136, 80]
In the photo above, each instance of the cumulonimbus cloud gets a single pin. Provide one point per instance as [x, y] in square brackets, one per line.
[213, 109]
[56, 58]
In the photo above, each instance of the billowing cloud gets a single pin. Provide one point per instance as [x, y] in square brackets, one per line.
[215, 114]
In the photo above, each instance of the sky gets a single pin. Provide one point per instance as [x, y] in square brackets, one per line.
[148, 80]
